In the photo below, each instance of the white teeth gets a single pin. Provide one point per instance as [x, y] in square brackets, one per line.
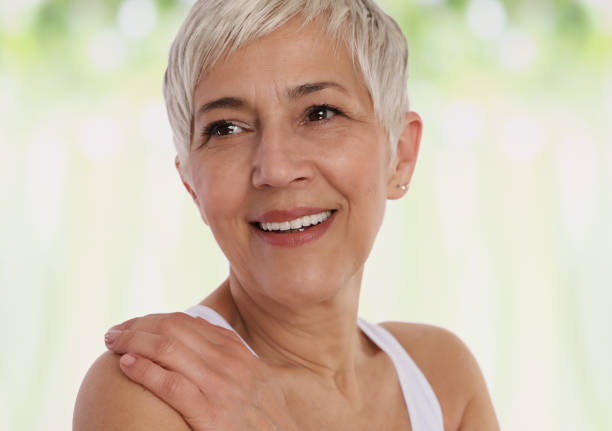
[297, 223]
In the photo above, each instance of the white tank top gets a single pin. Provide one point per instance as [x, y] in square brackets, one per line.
[423, 406]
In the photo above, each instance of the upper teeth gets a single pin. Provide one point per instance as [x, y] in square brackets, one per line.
[298, 222]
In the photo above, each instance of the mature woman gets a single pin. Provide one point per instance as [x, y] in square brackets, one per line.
[292, 129]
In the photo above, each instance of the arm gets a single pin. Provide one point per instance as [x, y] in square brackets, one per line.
[108, 400]
[202, 371]
[479, 413]
[453, 373]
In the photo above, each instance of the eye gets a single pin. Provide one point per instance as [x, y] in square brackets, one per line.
[321, 113]
[221, 128]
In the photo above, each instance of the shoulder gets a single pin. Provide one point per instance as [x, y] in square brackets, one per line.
[108, 400]
[452, 371]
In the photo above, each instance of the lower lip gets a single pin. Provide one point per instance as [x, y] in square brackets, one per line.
[295, 239]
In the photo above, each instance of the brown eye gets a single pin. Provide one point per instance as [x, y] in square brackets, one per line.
[226, 129]
[321, 113]
[221, 128]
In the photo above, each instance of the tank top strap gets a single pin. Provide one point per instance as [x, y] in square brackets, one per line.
[211, 316]
[423, 406]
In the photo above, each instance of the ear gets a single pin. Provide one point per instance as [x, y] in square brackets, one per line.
[177, 164]
[407, 150]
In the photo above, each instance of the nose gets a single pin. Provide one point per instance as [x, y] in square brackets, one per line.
[279, 160]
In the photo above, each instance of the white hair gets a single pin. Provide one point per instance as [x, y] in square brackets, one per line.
[216, 28]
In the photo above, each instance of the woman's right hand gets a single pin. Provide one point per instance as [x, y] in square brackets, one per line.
[203, 371]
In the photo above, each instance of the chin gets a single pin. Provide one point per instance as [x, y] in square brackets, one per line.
[304, 290]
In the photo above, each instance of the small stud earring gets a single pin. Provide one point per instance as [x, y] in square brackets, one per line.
[404, 187]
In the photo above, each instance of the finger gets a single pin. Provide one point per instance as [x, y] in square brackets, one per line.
[182, 326]
[149, 319]
[170, 353]
[171, 387]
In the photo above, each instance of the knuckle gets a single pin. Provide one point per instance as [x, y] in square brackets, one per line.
[124, 325]
[178, 316]
[171, 386]
[166, 347]
[141, 371]
[167, 323]
[127, 324]
[164, 326]
[124, 338]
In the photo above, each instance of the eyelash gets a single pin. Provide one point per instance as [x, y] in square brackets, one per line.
[210, 129]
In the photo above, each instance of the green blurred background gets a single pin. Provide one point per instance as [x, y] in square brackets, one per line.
[504, 236]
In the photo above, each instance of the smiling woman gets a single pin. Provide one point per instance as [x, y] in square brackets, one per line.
[292, 132]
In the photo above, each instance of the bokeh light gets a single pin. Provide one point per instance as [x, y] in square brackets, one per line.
[16, 16]
[518, 51]
[486, 18]
[106, 50]
[137, 18]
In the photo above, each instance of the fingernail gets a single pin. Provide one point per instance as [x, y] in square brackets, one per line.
[111, 336]
[127, 360]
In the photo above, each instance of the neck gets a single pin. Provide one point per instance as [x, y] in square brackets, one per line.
[319, 340]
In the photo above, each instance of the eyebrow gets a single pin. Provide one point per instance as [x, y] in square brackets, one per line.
[224, 102]
[292, 93]
[312, 87]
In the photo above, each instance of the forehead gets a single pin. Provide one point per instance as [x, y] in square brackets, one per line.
[288, 57]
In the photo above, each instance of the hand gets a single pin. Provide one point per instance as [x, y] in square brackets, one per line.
[203, 371]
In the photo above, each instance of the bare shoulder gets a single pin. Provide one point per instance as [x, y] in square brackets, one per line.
[453, 372]
[108, 400]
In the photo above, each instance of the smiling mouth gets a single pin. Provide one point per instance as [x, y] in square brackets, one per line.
[299, 224]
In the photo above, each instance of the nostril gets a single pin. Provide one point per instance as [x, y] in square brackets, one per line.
[278, 178]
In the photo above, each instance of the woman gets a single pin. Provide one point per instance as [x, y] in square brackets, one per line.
[292, 130]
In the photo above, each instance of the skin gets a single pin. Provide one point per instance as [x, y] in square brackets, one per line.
[296, 307]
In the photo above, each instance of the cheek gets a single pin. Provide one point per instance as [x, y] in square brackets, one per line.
[369, 181]
[360, 165]
[220, 184]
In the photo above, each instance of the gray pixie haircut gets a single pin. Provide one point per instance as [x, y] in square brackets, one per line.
[216, 28]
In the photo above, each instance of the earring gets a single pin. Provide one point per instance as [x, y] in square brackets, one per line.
[404, 187]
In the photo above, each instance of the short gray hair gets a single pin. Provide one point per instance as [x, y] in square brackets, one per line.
[216, 28]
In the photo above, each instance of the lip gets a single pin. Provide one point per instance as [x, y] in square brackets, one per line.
[278, 216]
[294, 239]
